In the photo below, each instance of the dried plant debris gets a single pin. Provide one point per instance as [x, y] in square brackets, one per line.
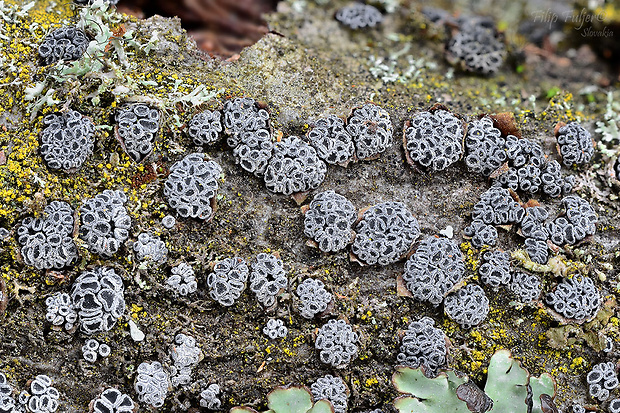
[329, 221]
[294, 167]
[575, 144]
[484, 147]
[92, 349]
[275, 328]
[423, 345]
[227, 281]
[496, 268]
[337, 343]
[468, 306]
[575, 298]
[42, 397]
[313, 298]
[385, 234]
[67, 140]
[531, 172]
[138, 124]
[185, 355]
[578, 221]
[332, 389]
[243, 115]
[498, 207]
[525, 286]
[182, 280]
[105, 222]
[481, 234]
[65, 43]
[331, 140]
[60, 311]
[434, 139]
[254, 151]
[359, 15]
[435, 267]
[98, 298]
[602, 379]
[476, 47]
[192, 185]
[150, 247]
[267, 278]
[47, 242]
[371, 128]
[205, 127]
[209, 399]
[113, 401]
[152, 384]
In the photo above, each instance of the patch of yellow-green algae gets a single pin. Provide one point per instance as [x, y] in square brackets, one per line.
[309, 66]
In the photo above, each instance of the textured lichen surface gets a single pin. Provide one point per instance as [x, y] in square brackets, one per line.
[308, 67]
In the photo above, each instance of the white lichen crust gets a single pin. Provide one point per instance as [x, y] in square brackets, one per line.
[182, 280]
[602, 379]
[185, 354]
[42, 397]
[477, 47]
[227, 281]
[337, 343]
[192, 185]
[98, 298]
[575, 144]
[468, 306]
[575, 298]
[329, 221]
[385, 234]
[65, 43]
[294, 167]
[113, 401]
[371, 128]
[332, 389]
[205, 127]
[423, 345]
[47, 242]
[138, 124]
[313, 298]
[578, 222]
[151, 384]
[435, 267]
[60, 310]
[105, 222]
[331, 140]
[150, 247]
[67, 140]
[209, 399]
[484, 146]
[243, 115]
[358, 16]
[267, 278]
[254, 151]
[434, 140]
